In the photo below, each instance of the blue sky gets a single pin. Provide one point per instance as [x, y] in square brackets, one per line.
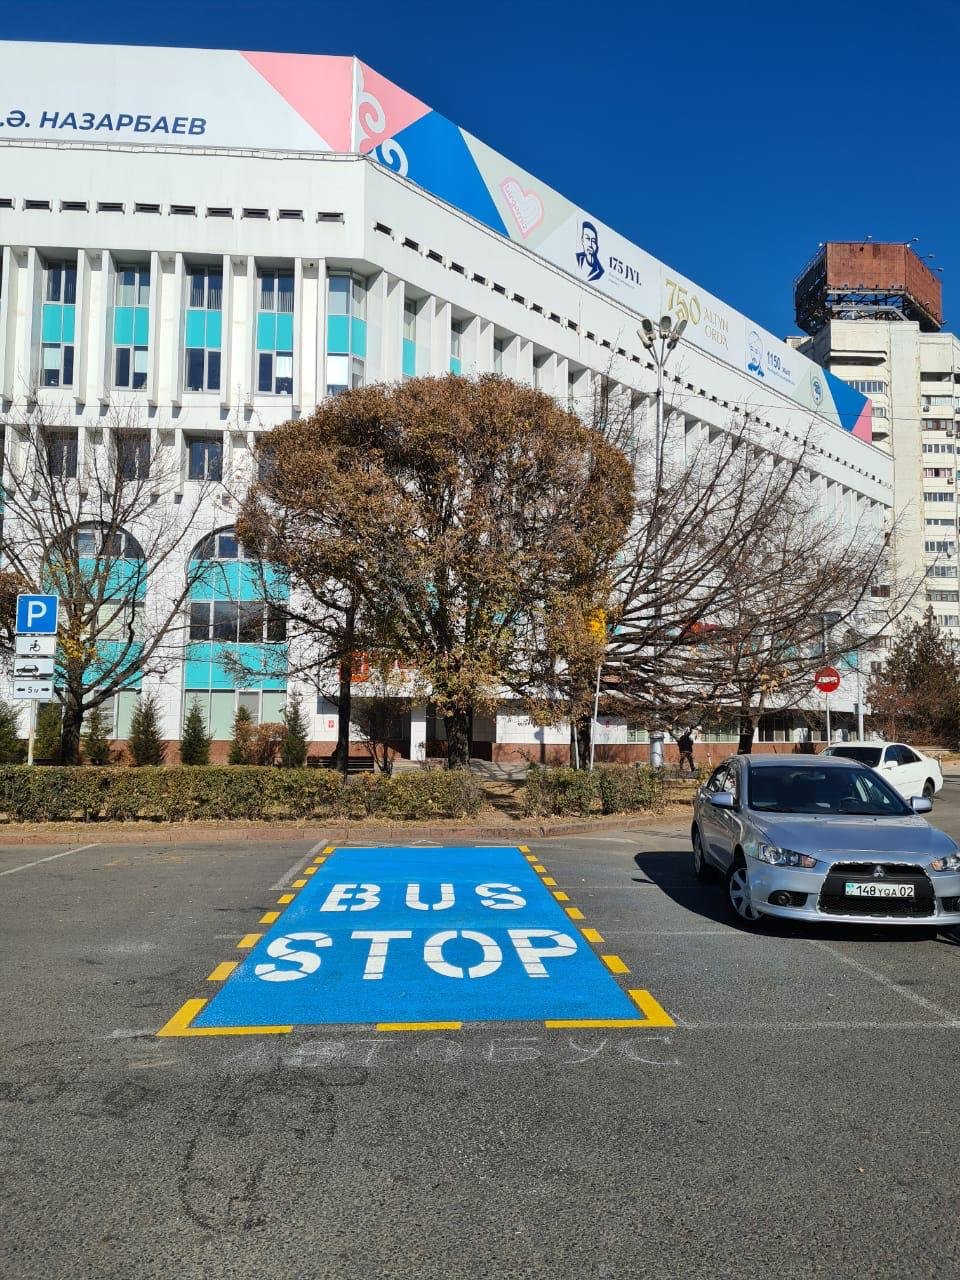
[726, 139]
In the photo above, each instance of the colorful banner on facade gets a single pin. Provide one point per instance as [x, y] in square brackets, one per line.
[309, 102]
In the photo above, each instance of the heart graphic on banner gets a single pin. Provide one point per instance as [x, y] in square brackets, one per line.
[526, 206]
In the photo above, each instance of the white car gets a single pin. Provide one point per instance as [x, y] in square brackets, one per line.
[907, 771]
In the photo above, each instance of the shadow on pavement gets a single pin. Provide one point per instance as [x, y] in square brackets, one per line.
[673, 873]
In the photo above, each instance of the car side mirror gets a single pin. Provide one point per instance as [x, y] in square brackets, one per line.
[921, 804]
[723, 800]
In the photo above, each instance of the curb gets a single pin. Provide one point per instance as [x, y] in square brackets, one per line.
[390, 833]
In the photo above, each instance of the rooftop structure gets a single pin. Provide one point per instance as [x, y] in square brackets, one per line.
[865, 280]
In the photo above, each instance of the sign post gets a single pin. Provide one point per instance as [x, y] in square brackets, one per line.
[34, 648]
[827, 680]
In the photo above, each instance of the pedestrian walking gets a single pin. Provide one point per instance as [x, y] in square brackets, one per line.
[685, 745]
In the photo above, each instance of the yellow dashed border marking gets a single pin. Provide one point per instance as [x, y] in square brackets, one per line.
[654, 1013]
[419, 1026]
[179, 1025]
[310, 871]
[548, 880]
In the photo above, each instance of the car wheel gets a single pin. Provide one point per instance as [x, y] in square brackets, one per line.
[701, 867]
[738, 895]
[929, 790]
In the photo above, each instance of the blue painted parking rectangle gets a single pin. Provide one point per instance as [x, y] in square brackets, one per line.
[459, 934]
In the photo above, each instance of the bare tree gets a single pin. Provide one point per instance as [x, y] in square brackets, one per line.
[108, 528]
[732, 560]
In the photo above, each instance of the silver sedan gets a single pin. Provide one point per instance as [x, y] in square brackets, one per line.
[822, 838]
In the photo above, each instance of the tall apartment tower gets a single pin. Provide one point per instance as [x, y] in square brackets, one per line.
[874, 316]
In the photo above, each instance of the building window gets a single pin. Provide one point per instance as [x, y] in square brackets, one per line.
[936, 402]
[498, 346]
[61, 447]
[941, 571]
[203, 332]
[457, 330]
[205, 458]
[944, 597]
[275, 331]
[236, 622]
[58, 324]
[346, 332]
[869, 386]
[539, 367]
[131, 327]
[411, 309]
[133, 455]
[938, 496]
[939, 548]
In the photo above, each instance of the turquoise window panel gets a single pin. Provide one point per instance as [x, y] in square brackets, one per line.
[123, 578]
[205, 669]
[52, 327]
[69, 322]
[123, 326]
[454, 364]
[284, 332]
[196, 330]
[214, 329]
[238, 580]
[141, 326]
[266, 331]
[358, 336]
[409, 357]
[338, 335]
[108, 652]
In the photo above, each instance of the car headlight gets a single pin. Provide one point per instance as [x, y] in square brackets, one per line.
[949, 863]
[783, 857]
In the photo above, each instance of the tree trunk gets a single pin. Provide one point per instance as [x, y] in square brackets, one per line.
[745, 744]
[70, 734]
[341, 755]
[584, 729]
[457, 726]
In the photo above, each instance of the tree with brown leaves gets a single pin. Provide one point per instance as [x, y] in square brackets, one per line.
[461, 520]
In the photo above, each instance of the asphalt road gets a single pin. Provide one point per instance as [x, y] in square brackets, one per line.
[800, 1120]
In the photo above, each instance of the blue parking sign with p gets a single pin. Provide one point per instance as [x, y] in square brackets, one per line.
[37, 615]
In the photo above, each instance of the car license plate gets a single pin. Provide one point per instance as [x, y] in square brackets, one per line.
[878, 889]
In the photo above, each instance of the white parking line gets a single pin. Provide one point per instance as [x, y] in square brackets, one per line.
[949, 1025]
[922, 1001]
[50, 858]
[289, 876]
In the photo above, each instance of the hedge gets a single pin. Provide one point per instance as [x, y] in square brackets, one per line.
[563, 791]
[51, 794]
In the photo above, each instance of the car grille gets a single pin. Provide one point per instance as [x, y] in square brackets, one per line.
[833, 900]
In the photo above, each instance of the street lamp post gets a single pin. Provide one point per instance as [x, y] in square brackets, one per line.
[659, 339]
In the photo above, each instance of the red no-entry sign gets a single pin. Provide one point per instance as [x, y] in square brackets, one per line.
[827, 679]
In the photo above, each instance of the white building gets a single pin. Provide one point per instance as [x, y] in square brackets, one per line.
[216, 241]
[883, 338]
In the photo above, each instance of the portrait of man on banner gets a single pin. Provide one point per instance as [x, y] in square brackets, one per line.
[588, 258]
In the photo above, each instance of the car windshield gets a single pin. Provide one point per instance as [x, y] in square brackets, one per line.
[866, 755]
[785, 788]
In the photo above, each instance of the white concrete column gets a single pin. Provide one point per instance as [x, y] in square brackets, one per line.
[418, 732]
